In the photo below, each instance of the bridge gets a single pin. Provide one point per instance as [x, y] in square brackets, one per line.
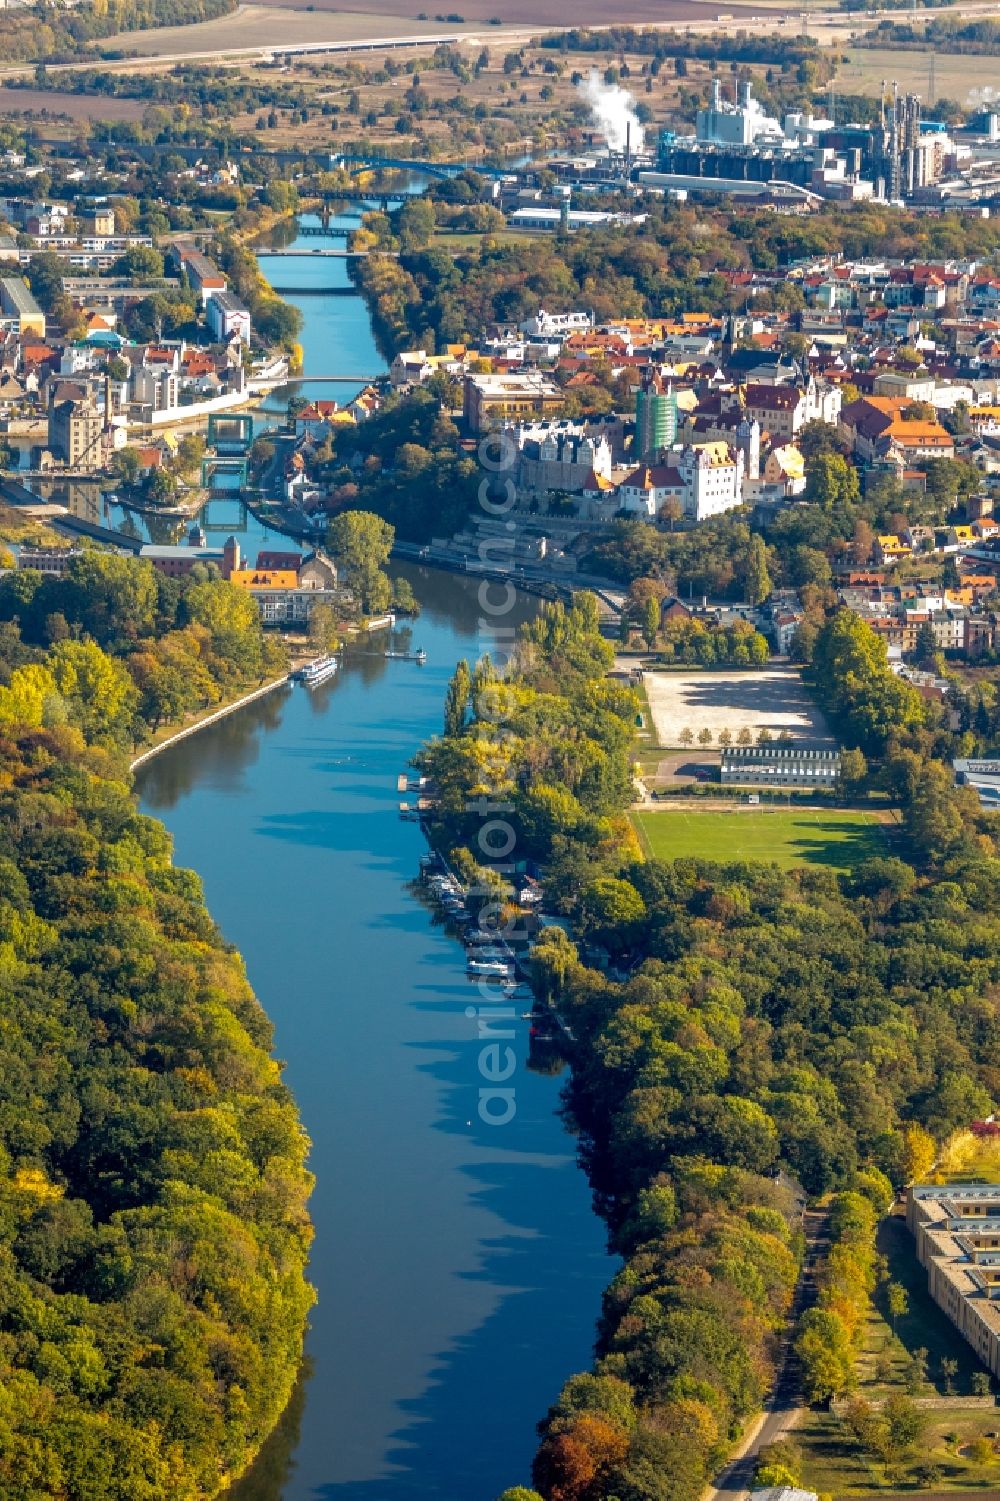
[326, 230]
[348, 291]
[357, 164]
[340, 255]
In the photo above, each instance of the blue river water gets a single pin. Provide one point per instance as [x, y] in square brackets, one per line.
[459, 1266]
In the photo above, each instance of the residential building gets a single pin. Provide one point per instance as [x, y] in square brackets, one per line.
[545, 325]
[227, 318]
[956, 1230]
[780, 765]
[876, 426]
[75, 431]
[19, 312]
[490, 400]
[203, 274]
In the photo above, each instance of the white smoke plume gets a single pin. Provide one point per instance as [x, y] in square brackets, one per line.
[612, 108]
[985, 98]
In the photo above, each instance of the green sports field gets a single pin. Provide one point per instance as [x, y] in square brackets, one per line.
[839, 840]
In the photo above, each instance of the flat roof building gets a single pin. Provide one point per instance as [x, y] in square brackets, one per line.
[956, 1227]
[490, 400]
[981, 775]
[780, 765]
[19, 312]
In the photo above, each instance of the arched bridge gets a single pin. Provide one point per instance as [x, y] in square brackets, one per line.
[356, 164]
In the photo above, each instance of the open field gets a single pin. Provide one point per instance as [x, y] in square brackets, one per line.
[772, 699]
[271, 26]
[547, 12]
[833, 838]
[956, 74]
[76, 106]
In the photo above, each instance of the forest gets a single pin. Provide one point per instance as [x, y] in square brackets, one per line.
[673, 263]
[728, 1021]
[116, 649]
[153, 1229]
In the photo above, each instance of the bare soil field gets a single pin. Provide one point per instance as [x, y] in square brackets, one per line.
[772, 699]
[76, 106]
[269, 25]
[543, 12]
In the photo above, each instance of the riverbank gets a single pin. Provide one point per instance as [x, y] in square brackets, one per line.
[202, 721]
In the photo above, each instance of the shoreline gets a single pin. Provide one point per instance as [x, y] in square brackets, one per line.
[206, 720]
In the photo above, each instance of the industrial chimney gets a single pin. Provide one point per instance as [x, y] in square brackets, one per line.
[628, 146]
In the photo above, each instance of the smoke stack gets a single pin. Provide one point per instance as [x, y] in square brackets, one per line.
[716, 95]
[745, 87]
[628, 144]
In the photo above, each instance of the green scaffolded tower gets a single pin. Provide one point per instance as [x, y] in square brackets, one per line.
[655, 416]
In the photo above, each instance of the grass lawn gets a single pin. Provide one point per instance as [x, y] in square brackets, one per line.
[832, 1461]
[809, 837]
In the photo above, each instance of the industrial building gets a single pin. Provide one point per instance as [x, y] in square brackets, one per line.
[739, 149]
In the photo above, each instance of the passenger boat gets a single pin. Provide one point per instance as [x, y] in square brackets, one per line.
[420, 656]
[318, 671]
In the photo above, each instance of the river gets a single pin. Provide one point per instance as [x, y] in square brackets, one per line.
[459, 1266]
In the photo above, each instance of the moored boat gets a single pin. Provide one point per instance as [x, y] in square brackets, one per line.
[318, 671]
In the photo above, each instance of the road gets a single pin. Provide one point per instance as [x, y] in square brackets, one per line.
[784, 1406]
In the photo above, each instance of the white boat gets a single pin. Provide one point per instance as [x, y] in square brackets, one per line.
[318, 671]
[493, 967]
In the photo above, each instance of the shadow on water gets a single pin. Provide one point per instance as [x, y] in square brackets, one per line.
[274, 1465]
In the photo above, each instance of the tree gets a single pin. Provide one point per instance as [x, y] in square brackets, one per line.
[457, 699]
[140, 263]
[744, 735]
[981, 1383]
[916, 1371]
[897, 1301]
[831, 480]
[362, 542]
[725, 737]
[853, 770]
[323, 633]
[416, 223]
[758, 579]
[650, 621]
[949, 1370]
[124, 465]
[705, 737]
[926, 647]
[686, 736]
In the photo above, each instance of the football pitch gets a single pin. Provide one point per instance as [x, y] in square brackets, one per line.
[810, 837]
